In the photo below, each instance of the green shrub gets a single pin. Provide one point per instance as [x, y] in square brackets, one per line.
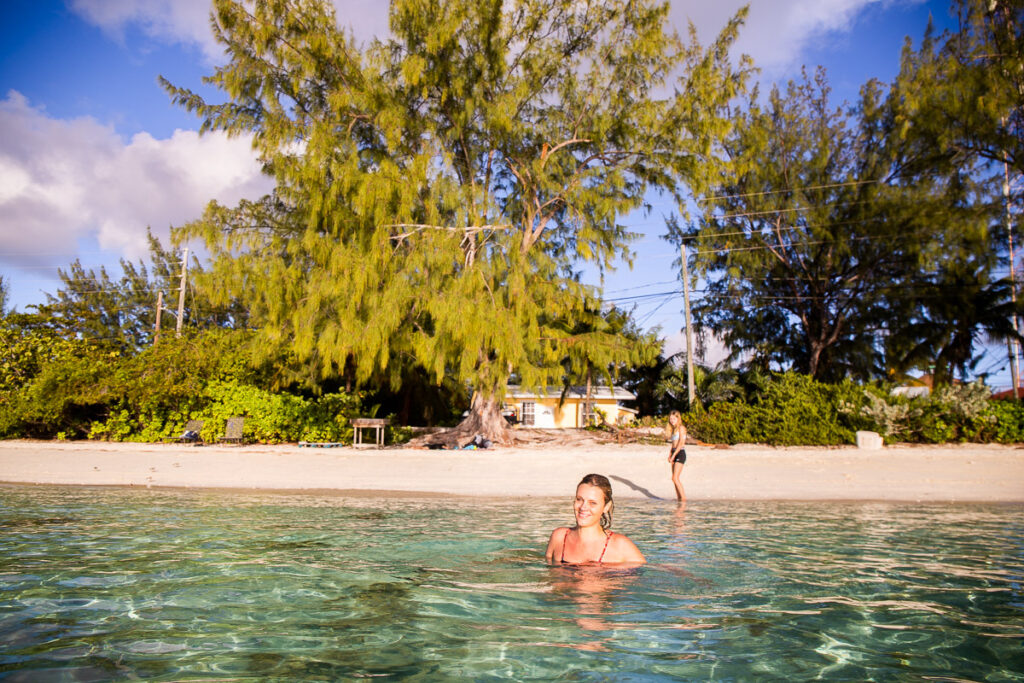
[276, 417]
[791, 409]
[1002, 422]
[961, 412]
[53, 386]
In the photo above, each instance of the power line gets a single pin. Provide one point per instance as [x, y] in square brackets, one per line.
[795, 189]
[863, 238]
[862, 221]
[652, 284]
[94, 268]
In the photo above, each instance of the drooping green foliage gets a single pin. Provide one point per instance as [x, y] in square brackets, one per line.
[437, 190]
[601, 347]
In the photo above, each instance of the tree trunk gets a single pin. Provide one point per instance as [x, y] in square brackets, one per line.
[484, 419]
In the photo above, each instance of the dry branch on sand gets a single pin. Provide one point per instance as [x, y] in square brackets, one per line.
[524, 437]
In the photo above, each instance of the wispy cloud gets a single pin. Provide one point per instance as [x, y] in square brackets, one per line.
[777, 33]
[66, 180]
[165, 21]
[188, 21]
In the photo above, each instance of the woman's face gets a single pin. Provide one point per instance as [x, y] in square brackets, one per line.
[673, 419]
[589, 505]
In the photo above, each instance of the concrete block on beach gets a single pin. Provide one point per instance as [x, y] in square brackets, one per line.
[869, 441]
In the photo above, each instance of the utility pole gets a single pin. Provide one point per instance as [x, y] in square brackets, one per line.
[181, 293]
[690, 392]
[1013, 344]
[159, 310]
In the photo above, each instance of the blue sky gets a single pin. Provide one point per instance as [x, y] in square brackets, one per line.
[92, 151]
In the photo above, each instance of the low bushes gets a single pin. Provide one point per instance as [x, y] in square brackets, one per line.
[962, 412]
[792, 409]
[81, 390]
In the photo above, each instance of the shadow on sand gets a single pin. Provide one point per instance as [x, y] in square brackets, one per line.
[635, 487]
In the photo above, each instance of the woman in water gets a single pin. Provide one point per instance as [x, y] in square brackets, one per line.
[677, 451]
[591, 540]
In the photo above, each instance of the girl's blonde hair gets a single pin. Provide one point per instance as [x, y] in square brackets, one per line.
[668, 427]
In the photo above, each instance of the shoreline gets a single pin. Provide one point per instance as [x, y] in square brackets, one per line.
[901, 473]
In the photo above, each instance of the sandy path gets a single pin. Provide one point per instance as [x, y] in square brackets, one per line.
[900, 473]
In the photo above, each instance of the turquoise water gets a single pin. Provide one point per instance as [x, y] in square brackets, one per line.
[113, 584]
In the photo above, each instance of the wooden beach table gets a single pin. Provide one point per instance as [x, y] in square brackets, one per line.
[376, 423]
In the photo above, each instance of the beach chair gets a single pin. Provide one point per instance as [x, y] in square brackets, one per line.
[190, 434]
[233, 430]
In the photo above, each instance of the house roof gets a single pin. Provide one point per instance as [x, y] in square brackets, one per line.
[1008, 394]
[575, 392]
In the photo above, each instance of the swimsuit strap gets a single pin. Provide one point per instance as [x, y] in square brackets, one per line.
[564, 536]
[607, 538]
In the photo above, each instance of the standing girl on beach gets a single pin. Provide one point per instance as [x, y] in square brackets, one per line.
[677, 450]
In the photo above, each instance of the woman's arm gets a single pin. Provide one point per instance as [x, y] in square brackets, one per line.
[555, 544]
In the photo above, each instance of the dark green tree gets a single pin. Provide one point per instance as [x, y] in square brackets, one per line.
[958, 106]
[121, 312]
[961, 308]
[814, 241]
[437, 191]
[960, 95]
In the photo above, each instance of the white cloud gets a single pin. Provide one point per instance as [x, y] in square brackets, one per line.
[776, 32]
[714, 353]
[169, 21]
[66, 180]
[188, 21]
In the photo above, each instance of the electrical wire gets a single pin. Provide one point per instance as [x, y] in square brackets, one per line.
[794, 190]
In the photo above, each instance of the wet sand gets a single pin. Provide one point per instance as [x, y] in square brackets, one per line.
[967, 472]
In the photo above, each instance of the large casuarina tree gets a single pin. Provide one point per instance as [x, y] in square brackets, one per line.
[438, 191]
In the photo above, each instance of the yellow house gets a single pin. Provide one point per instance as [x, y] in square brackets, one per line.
[541, 409]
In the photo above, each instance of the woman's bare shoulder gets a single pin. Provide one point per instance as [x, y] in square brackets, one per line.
[623, 548]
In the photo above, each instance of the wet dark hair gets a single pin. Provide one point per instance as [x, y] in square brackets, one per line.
[601, 482]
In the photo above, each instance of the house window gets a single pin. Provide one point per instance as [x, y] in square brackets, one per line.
[528, 413]
[590, 416]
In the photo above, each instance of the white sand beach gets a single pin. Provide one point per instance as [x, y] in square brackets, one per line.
[967, 472]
